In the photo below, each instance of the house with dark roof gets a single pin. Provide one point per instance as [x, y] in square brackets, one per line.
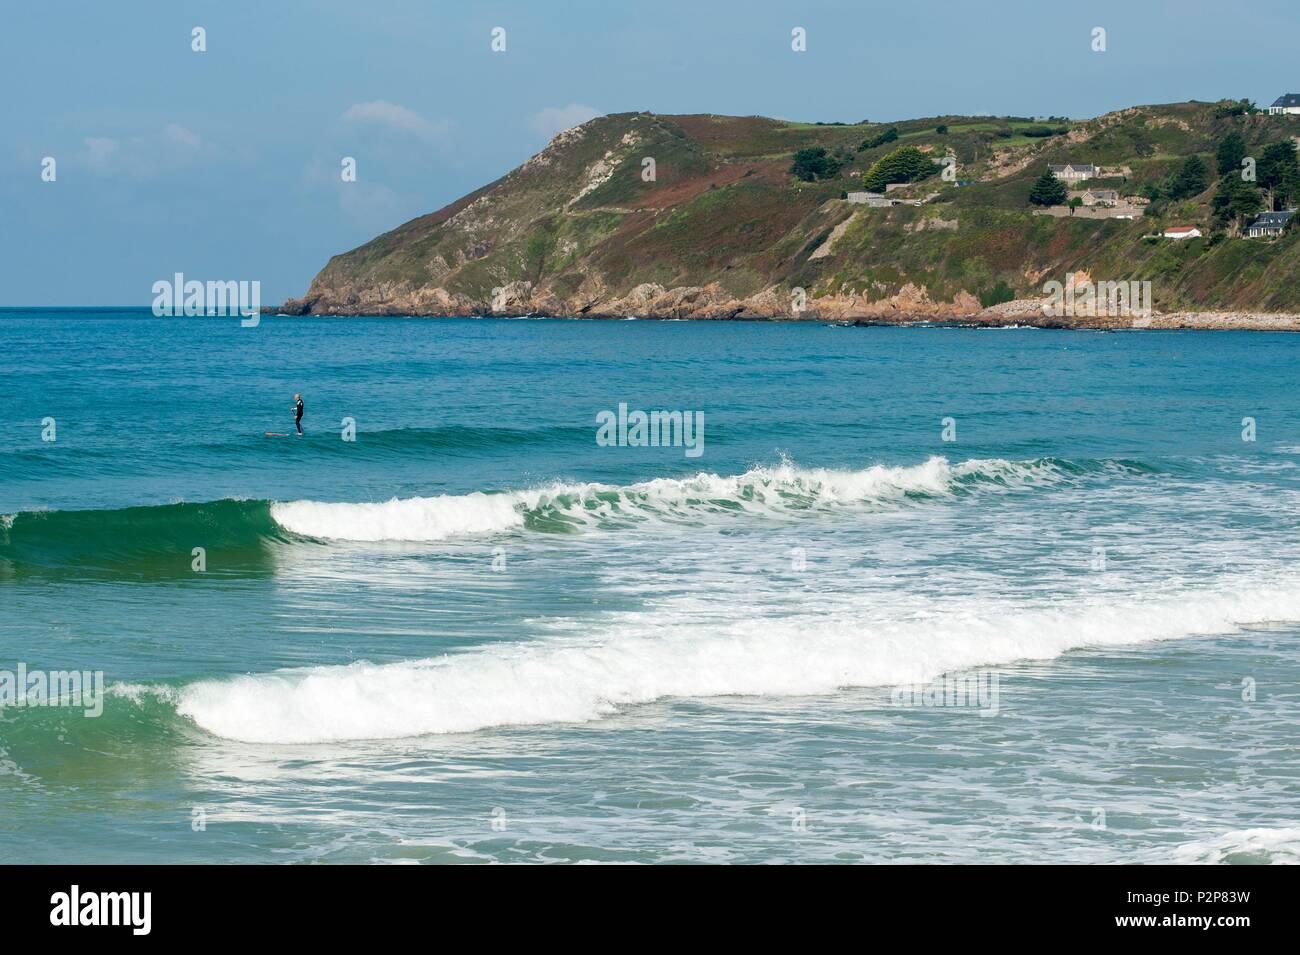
[1269, 223]
[1286, 103]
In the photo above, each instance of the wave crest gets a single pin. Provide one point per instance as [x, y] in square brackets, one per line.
[781, 490]
[645, 657]
[156, 540]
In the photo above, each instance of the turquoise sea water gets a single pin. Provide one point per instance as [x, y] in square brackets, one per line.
[474, 633]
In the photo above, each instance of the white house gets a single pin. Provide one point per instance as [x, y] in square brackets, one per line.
[1182, 232]
[1286, 103]
[1074, 172]
[874, 199]
[1092, 197]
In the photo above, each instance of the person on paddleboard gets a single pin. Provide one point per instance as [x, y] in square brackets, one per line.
[297, 413]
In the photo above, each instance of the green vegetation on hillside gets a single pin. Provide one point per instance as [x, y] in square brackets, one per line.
[1235, 107]
[1236, 201]
[888, 136]
[753, 206]
[1231, 151]
[813, 163]
[1190, 180]
[1047, 190]
[1279, 173]
[905, 164]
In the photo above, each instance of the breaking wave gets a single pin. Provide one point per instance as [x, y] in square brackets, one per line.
[656, 655]
[152, 537]
[775, 491]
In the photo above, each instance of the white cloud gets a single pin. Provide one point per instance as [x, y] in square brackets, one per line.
[145, 156]
[318, 174]
[181, 136]
[99, 151]
[556, 119]
[383, 113]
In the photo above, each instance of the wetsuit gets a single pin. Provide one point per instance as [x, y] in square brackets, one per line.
[297, 418]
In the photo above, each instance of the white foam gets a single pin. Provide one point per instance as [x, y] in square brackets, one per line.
[776, 490]
[1276, 846]
[410, 519]
[647, 656]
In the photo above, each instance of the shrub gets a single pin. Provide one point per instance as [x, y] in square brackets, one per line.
[813, 163]
[1234, 107]
[1002, 292]
[888, 136]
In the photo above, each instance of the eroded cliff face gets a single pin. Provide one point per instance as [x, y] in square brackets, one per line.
[712, 303]
[698, 217]
[647, 300]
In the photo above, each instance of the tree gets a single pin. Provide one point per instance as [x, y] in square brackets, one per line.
[813, 163]
[1232, 150]
[1235, 107]
[1190, 180]
[1075, 203]
[1278, 171]
[905, 164]
[1047, 190]
[888, 136]
[1235, 201]
[941, 129]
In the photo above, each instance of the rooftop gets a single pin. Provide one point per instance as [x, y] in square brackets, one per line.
[1274, 218]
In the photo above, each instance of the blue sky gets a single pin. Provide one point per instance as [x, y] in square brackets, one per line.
[225, 164]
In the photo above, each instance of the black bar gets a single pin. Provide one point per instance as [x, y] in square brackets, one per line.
[944, 905]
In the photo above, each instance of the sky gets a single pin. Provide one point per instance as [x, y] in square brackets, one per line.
[225, 164]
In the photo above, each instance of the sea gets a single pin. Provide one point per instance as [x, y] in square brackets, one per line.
[568, 591]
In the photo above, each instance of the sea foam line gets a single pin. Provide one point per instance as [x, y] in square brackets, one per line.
[655, 655]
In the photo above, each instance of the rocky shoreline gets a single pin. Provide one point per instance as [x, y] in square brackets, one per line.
[712, 303]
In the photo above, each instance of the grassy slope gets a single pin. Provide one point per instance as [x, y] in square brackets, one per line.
[723, 208]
